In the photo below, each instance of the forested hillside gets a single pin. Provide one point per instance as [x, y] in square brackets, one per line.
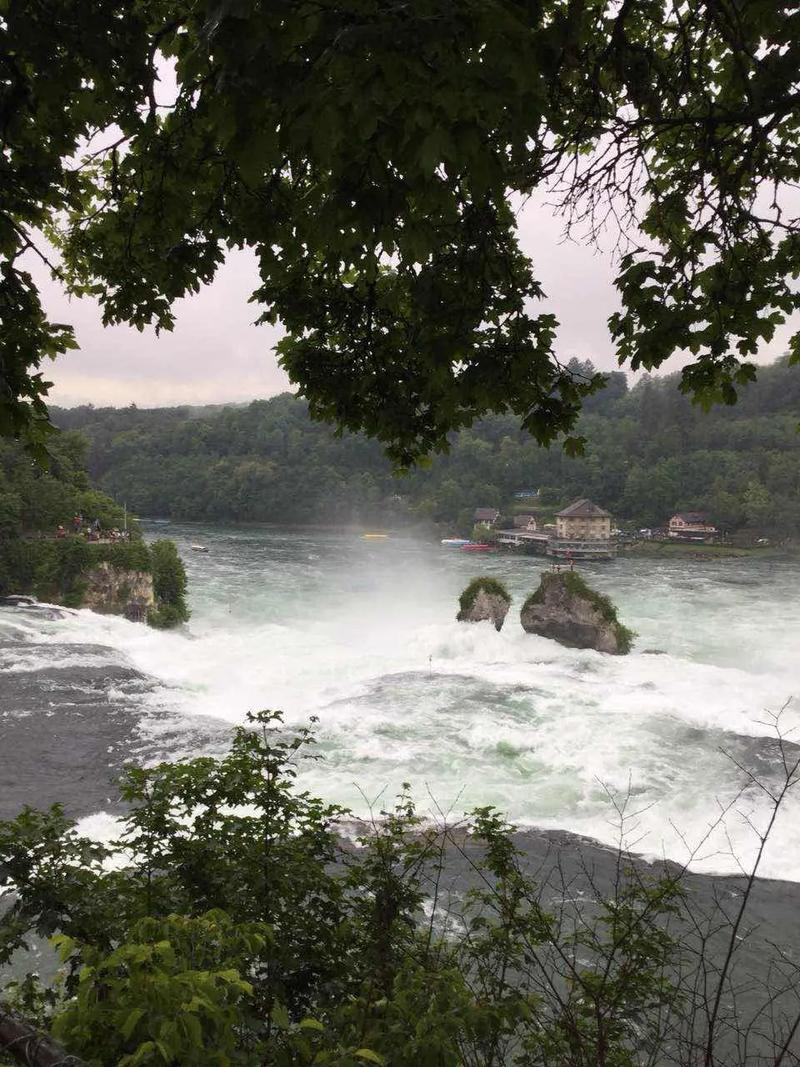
[34, 498]
[649, 452]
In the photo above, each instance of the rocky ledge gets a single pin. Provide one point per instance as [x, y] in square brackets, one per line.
[118, 592]
[566, 610]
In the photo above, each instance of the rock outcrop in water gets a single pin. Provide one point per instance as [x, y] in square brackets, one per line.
[118, 592]
[145, 583]
[566, 610]
[484, 600]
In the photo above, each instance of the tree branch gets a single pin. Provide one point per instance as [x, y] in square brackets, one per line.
[27, 1046]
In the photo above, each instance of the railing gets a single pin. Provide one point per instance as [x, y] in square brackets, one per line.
[578, 548]
[581, 548]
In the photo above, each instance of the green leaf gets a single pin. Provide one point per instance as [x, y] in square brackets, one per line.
[63, 945]
[575, 446]
[280, 1016]
[131, 1022]
[368, 1055]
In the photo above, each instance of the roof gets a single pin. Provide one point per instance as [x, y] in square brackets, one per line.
[486, 513]
[521, 520]
[691, 516]
[583, 509]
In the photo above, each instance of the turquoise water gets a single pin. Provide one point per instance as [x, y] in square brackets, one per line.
[363, 635]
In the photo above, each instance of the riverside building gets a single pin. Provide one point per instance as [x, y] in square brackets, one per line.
[583, 531]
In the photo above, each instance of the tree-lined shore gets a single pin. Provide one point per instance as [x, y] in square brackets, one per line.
[649, 452]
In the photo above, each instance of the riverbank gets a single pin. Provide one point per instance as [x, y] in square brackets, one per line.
[699, 551]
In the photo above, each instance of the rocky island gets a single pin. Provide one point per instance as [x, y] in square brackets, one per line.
[484, 600]
[565, 609]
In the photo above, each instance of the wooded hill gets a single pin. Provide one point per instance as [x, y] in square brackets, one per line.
[649, 452]
[35, 501]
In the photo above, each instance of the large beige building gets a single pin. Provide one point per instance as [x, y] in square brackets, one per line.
[583, 521]
[582, 530]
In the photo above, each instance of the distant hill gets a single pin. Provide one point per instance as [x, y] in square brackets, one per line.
[649, 453]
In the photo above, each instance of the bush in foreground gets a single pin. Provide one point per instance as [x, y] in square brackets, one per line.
[230, 925]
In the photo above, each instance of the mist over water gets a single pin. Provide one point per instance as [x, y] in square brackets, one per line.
[363, 635]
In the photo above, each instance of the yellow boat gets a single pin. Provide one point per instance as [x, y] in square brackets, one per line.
[374, 537]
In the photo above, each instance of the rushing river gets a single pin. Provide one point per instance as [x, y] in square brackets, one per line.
[362, 635]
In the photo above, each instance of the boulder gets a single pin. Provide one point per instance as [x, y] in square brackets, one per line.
[566, 610]
[484, 600]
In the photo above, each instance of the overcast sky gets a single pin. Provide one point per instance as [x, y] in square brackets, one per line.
[216, 354]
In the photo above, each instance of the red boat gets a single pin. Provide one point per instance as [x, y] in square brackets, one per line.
[476, 547]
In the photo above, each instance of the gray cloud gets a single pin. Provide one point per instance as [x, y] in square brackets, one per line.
[217, 354]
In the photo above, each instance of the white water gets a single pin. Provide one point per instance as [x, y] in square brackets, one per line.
[363, 635]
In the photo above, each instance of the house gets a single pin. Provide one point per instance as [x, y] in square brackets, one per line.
[525, 522]
[583, 531]
[691, 526]
[526, 494]
[583, 520]
[486, 516]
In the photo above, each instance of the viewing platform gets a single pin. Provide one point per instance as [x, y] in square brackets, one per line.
[562, 548]
[530, 538]
[550, 544]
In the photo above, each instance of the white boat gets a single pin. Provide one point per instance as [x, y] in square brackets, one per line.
[198, 548]
[455, 542]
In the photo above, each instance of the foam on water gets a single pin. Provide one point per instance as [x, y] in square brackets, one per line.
[362, 636]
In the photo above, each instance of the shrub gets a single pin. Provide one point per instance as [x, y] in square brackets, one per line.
[483, 534]
[169, 586]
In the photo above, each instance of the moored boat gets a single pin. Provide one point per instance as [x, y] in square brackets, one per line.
[454, 542]
[198, 548]
[472, 546]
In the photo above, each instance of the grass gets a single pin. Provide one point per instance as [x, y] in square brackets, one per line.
[688, 550]
[576, 586]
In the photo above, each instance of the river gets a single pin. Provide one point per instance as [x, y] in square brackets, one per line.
[362, 635]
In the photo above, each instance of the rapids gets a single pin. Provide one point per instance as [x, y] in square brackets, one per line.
[362, 635]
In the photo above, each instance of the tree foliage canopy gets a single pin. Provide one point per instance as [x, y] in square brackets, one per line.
[370, 153]
[649, 453]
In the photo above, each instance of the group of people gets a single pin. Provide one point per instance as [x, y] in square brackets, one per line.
[568, 560]
[92, 531]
